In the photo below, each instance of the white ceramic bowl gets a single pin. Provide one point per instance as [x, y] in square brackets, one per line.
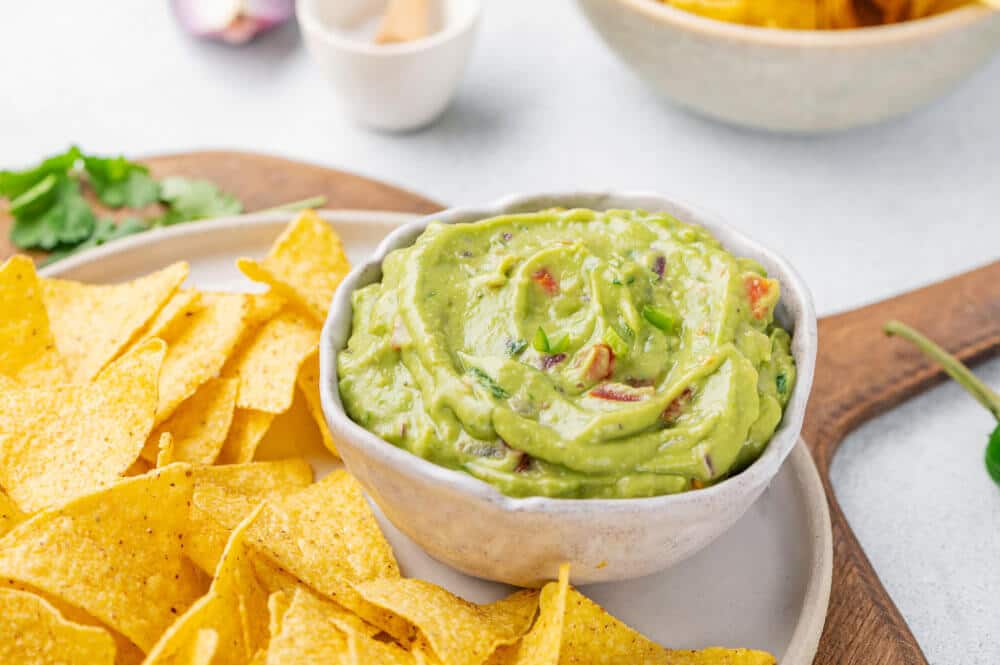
[392, 87]
[795, 80]
[469, 525]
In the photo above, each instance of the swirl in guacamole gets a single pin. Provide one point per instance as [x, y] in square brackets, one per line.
[571, 353]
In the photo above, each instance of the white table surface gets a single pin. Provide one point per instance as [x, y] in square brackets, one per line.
[864, 215]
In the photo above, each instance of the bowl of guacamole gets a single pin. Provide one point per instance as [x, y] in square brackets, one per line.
[563, 366]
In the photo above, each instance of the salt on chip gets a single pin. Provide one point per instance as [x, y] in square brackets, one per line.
[224, 495]
[59, 443]
[235, 606]
[308, 634]
[10, 514]
[33, 631]
[326, 536]
[93, 323]
[308, 382]
[245, 434]
[117, 554]
[306, 264]
[200, 424]
[292, 434]
[28, 353]
[268, 362]
[198, 350]
[458, 631]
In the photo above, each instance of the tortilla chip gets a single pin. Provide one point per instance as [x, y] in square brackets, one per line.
[459, 632]
[165, 452]
[307, 633]
[32, 631]
[197, 351]
[718, 656]
[308, 382]
[365, 650]
[588, 629]
[181, 306]
[10, 514]
[264, 306]
[200, 424]
[267, 363]
[117, 554]
[277, 605]
[306, 264]
[541, 646]
[327, 536]
[92, 324]
[245, 434]
[202, 650]
[139, 467]
[292, 434]
[59, 443]
[28, 351]
[224, 495]
[235, 607]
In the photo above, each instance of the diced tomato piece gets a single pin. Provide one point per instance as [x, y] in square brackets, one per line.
[676, 407]
[615, 393]
[600, 363]
[757, 290]
[544, 279]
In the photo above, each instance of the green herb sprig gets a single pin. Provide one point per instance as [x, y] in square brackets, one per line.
[51, 213]
[965, 378]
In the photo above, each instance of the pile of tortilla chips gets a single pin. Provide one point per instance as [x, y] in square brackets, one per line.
[155, 506]
[817, 14]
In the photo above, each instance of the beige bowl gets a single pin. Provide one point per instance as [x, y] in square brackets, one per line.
[469, 525]
[795, 80]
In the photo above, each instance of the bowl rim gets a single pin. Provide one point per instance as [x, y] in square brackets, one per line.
[846, 38]
[305, 12]
[419, 470]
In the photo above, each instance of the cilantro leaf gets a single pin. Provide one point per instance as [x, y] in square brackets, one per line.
[68, 220]
[119, 182]
[196, 199]
[15, 183]
[993, 456]
[105, 231]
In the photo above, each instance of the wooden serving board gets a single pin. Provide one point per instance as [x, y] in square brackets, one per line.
[860, 373]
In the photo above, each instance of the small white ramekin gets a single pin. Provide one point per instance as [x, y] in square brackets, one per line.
[469, 525]
[390, 87]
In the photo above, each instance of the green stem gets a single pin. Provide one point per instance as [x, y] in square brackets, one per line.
[952, 365]
[302, 204]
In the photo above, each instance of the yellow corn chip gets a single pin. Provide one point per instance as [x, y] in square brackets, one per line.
[277, 605]
[165, 450]
[200, 424]
[139, 467]
[459, 632]
[365, 650]
[292, 434]
[327, 537]
[263, 307]
[58, 443]
[118, 554]
[541, 646]
[245, 434]
[10, 514]
[267, 363]
[308, 383]
[306, 264]
[235, 607]
[196, 352]
[616, 642]
[27, 347]
[202, 650]
[181, 306]
[308, 634]
[718, 656]
[32, 631]
[92, 324]
[224, 495]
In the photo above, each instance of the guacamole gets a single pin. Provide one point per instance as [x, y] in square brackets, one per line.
[571, 353]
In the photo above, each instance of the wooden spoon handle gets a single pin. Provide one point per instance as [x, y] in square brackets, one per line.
[861, 373]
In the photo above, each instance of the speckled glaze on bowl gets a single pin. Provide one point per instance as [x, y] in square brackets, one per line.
[469, 525]
[802, 81]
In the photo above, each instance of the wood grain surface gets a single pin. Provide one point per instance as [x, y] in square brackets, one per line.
[860, 373]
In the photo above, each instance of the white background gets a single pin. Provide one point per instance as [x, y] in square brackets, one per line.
[863, 215]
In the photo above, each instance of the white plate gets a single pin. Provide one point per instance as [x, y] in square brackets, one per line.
[764, 584]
